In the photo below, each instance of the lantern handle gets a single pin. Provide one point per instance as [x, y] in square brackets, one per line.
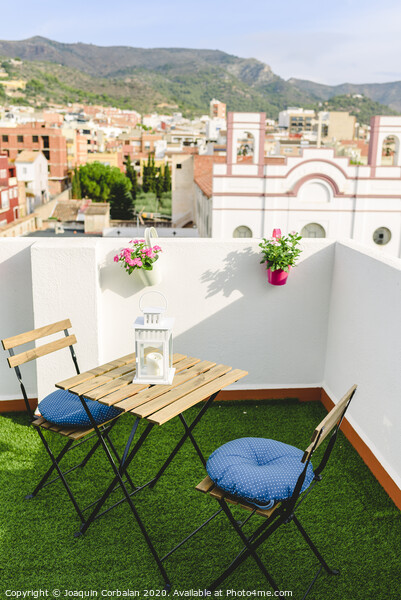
[150, 232]
[155, 292]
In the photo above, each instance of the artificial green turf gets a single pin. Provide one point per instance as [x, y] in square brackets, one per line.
[348, 515]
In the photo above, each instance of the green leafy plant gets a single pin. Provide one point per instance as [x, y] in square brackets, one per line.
[281, 252]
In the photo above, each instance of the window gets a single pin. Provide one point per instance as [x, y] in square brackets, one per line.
[3, 173]
[4, 138]
[179, 166]
[5, 202]
[20, 139]
[35, 139]
[382, 236]
[242, 232]
[313, 230]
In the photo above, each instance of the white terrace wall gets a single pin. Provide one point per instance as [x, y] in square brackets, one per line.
[226, 311]
[364, 347]
[16, 310]
[336, 321]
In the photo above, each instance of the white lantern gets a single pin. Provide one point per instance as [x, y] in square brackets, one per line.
[154, 344]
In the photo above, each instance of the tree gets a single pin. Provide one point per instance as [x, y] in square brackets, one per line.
[76, 185]
[152, 172]
[131, 174]
[159, 186]
[146, 177]
[121, 202]
[97, 181]
[167, 179]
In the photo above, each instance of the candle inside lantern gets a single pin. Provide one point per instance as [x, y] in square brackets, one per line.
[154, 364]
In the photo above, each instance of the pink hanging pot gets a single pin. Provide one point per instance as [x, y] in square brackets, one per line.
[277, 277]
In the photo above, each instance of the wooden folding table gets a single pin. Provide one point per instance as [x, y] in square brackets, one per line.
[111, 384]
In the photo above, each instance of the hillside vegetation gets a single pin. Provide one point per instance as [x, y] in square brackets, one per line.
[161, 79]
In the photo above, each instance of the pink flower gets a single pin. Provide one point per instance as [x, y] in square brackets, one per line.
[116, 258]
[140, 241]
[293, 232]
[157, 248]
[148, 252]
[138, 262]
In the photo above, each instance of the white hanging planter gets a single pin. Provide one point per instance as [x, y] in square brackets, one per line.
[154, 275]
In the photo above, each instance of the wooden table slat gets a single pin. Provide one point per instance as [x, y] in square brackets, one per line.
[67, 384]
[157, 390]
[75, 380]
[174, 409]
[187, 362]
[157, 397]
[177, 357]
[132, 389]
[128, 390]
[111, 386]
[87, 386]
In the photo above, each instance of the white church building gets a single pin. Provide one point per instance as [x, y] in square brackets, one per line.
[318, 193]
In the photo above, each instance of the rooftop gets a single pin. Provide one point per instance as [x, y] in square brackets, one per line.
[27, 156]
[335, 323]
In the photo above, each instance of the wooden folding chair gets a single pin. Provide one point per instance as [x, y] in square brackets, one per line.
[283, 511]
[74, 435]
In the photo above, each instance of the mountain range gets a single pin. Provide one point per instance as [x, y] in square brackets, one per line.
[173, 79]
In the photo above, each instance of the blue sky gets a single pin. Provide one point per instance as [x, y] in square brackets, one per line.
[328, 42]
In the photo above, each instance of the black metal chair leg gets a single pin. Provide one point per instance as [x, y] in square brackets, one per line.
[267, 529]
[248, 545]
[61, 474]
[53, 466]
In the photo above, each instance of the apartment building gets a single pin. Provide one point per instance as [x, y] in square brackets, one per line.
[326, 125]
[37, 137]
[296, 120]
[217, 109]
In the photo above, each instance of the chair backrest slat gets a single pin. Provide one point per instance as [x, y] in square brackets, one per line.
[35, 334]
[24, 357]
[328, 423]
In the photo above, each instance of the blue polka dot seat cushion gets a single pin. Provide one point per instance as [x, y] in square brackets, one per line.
[260, 470]
[63, 408]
